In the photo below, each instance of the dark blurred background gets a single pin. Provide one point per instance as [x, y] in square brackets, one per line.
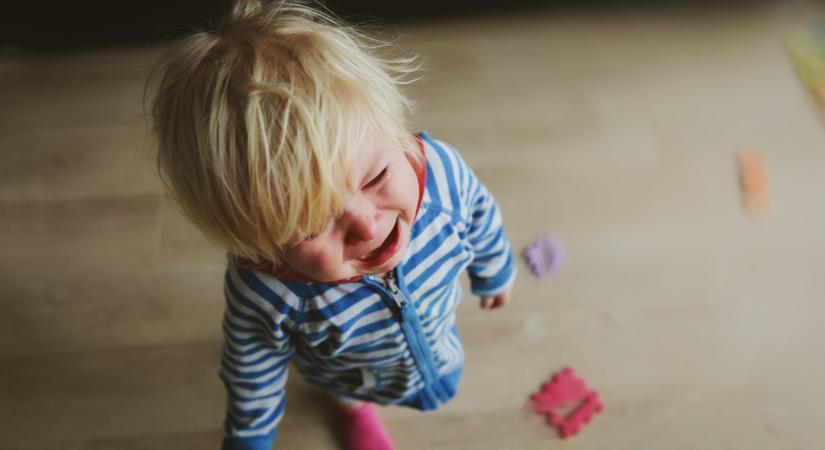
[52, 25]
[56, 25]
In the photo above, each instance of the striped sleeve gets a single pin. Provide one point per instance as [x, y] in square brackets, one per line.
[256, 328]
[492, 269]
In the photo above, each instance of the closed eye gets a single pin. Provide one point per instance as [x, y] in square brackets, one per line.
[378, 178]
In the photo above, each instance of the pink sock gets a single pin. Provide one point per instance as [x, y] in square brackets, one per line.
[363, 429]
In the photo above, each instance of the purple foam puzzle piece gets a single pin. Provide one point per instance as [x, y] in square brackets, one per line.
[544, 256]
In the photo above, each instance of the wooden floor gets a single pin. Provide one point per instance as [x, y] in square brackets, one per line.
[616, 131]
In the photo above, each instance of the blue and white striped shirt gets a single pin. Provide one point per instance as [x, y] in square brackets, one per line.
[390, 340]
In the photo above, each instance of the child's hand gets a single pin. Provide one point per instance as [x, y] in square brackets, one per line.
[495, 301]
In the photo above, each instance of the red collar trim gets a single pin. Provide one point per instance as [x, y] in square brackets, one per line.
[420, 173]
[289, 274]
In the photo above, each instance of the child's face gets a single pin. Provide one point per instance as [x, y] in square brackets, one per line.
[372, 232]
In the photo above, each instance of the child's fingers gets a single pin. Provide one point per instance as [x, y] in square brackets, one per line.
[501, 299]
[494, 302]
[499, 302]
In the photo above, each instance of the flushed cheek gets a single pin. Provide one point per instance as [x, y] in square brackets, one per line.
[410, 191]
[409, 206]
[327, 263]
[402, 197]
[320, 264]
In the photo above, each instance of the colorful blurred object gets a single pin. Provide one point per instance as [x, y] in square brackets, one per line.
[544, 256]
[567, 391]
[807, 48]
[753, 177]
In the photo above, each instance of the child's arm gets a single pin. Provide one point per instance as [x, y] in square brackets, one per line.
[492, 270]
[254, 363]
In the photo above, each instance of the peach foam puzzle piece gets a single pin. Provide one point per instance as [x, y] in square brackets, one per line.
[753, 179]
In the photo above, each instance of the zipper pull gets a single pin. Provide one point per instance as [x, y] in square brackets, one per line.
[392, 286]
[389, 282]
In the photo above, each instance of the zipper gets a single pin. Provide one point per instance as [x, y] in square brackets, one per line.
[410, 325]
[392, 285]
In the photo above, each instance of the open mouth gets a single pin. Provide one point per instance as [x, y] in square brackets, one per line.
[386, 250]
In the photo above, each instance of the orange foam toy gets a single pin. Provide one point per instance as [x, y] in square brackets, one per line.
[754, 181]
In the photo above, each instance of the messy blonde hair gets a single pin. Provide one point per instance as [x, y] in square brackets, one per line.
[259, 121]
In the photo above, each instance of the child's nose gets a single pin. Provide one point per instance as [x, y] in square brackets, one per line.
[363, 223]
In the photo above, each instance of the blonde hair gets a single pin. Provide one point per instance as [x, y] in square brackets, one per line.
[258, 122]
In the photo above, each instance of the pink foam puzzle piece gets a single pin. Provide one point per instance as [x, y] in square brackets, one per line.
[573, 422]
[566, 390]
